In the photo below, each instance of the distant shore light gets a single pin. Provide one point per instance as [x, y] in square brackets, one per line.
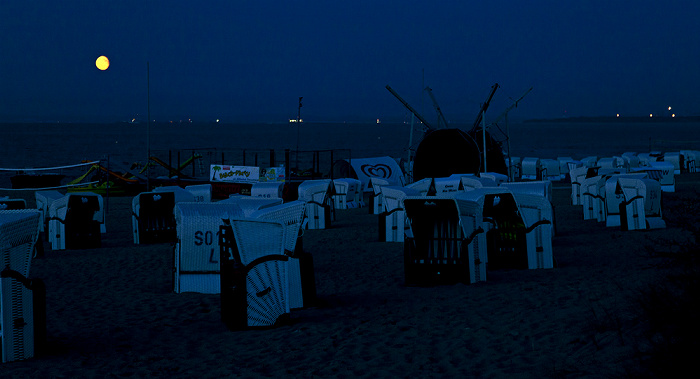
[618, 115]
[669, 108]
[651, 115]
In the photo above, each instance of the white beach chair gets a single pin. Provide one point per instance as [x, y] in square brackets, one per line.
[76, 221]
[254, 274]
[537, 187]
[446, 243]
[550, 170]
[197, 248]
[181, 194]
[538, 215]
[43, 200]
[302, 287]
[631, 159]
[19, 231]
[674, 158]
[641, 206]
[392, 222]
[614, 197]
[267, 189]
[355, 193]
[317, 194]
[376, 200]
[250, 204]
[531, 169]
[468, 183]
[690, 160]
[514, 168]
[448, 184]
[201, 193]
[564, 166]
[495, 176]
[423, 186]
[578, 175]
[592, 199]
[340, 196]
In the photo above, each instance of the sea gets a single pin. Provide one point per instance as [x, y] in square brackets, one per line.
[125, 145]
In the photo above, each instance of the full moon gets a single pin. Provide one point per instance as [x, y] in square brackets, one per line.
[102, 63]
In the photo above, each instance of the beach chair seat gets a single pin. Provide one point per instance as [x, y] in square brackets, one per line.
[446, 243]
[254, 269]
[196, 252]
[76, 221]
[317, 194]
[614, 196]
[356, 193]
[153, 219]
[392, 222]
[300, 271]
[22, 300]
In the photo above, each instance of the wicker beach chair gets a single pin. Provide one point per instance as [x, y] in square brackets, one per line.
[254, 282]
[593, 198]
[43, 200]
[641, 206]
[317, 194]
[468, 183]
[22, 300]
[614, 197]
[392, 222]
[201, 193]
[274, 190]
[250, 204]
[446, 243]
[376, 199]
[196, 251]
[76, 221]
[341, 194]
[152, 217]
[181, 195]
[531, 169]
[302, 282]
[538, 217]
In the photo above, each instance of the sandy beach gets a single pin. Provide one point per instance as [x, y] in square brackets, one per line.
[112, 312]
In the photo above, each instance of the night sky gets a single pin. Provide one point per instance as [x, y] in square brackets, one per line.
[246, 61]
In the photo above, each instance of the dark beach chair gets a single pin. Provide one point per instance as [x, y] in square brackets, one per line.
[76, 221]
[254, 280]
[439, 249]
[153, 218]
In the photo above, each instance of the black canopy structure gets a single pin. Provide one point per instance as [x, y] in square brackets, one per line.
[444, 152]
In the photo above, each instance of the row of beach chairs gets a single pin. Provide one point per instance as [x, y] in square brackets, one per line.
[533, 168]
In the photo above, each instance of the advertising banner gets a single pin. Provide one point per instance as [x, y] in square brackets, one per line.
[226, 173]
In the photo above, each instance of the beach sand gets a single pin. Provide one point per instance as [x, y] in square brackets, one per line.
[112, 312]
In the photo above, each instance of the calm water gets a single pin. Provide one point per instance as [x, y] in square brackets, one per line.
[43, 145]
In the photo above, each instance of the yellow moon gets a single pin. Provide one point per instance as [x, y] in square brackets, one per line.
[102, 63]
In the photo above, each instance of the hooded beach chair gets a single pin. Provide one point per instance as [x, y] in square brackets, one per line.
[507, 230]
[531, 169]
[614, 197]
[302, 283]
[271, 190]
[43, 200]
[317, 194]
[392, 222]
[376, 199]
[640, 207]
[254, 278]
[201, 193]
[593, 198]
[446, 242]
[196, 251]
[469, 183]
[152, 216]
[76, 221]
[22, 300]
[250, 204]
[341, 194]
[538, 217]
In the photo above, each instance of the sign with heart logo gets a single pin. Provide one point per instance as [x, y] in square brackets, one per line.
[379, 167]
